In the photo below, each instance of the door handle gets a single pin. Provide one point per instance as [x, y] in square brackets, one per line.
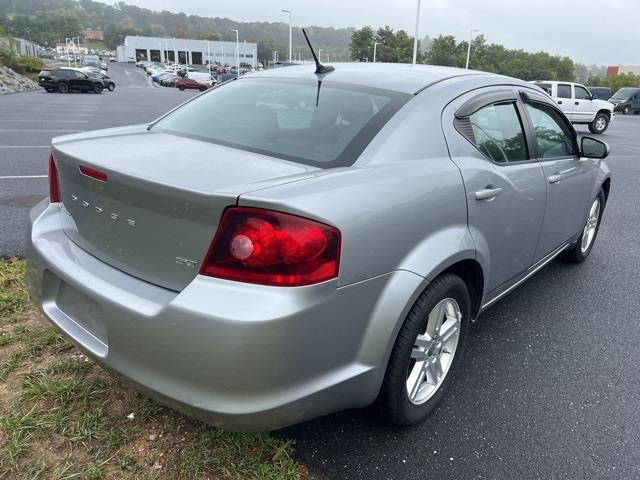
[576, 103]
[488, 193]
[559, 102]
[554, 178]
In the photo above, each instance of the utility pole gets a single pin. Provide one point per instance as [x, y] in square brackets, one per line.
[469, 48]
[415, 39]
[237, 53]
[375, 45]
[290, 44]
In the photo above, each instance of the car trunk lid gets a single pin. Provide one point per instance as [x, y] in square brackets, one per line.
[155, 215]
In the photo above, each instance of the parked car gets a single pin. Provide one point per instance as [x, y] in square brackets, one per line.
[67, 80]
[601, 93]
[580, 107]
[282, 248]
[108, 83]
[168, 79]
[190, 84]
[627, 100]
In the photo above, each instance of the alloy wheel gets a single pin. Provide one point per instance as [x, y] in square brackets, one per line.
[433, 352]
[601, 123]
[589, 232]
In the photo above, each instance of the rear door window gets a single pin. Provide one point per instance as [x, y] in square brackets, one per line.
[496, 130]
[564, 90]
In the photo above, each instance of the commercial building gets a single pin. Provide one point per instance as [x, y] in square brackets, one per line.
[180, 50]
[26, 48]
[628, 69]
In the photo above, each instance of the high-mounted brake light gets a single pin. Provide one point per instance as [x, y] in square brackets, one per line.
[54, 191]
[255, 245]
[93, 173]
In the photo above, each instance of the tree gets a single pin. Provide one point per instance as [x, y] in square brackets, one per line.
[615, 82]
[361, 44]
[446, 51]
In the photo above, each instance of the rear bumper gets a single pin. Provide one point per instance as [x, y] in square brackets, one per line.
[239, 356]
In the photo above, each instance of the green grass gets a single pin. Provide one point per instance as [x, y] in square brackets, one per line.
[63, 417]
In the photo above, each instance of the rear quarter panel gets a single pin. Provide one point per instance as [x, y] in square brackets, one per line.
[402, 206]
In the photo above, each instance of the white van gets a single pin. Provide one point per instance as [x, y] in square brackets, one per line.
[201, 77]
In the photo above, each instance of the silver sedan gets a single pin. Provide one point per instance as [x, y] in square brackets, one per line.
[290, 244]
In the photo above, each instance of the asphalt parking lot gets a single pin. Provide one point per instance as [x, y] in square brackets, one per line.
[550, 385]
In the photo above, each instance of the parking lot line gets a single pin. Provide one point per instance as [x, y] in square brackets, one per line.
[48, 121]
[2, 130]
[25, 146]
[12, 177]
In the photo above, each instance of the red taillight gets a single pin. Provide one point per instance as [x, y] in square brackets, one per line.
[272, 248]
[54, 191]
[93, 173]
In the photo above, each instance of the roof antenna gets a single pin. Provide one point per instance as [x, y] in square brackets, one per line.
[320, 69]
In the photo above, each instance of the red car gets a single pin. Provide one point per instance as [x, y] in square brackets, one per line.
[186, 83]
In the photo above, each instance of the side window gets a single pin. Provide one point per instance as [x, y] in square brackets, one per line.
[497, 132]
[564, 90]
[545, 86]
[79, 74]
[553, 136]
[582, 93]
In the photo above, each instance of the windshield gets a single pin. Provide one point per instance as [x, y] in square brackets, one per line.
[624, 93]
[294, 120]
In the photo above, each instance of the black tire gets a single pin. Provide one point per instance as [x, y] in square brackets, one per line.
[599, 124]
[626, 110]
[181, 89]
[63, 87]
[575, 253]
[111, 87]
[202, 89]
[393, 398]
[97, 88]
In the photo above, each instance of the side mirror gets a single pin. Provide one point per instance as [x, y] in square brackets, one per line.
[592, 148]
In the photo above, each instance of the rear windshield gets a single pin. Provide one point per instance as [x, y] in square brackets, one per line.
[325, 126]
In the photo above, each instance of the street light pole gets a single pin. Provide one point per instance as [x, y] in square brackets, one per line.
[237, 53]
[415, 39]
[290, 44]
[66, 42]
[469, 48]
[375, 46]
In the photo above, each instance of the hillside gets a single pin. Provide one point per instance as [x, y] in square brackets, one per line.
[50, 21]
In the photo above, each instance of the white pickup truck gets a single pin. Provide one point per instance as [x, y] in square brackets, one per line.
[578, 104]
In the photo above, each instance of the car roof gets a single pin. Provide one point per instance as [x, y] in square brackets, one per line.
[400, 77]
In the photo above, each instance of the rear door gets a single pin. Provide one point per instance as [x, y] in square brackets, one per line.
[564, 99]
[583, 109]
[568, 178]
[505, 187]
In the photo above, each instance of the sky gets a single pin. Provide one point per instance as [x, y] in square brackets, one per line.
[603, 32]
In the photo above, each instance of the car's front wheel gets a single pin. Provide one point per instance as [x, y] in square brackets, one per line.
[63, 87]
[97, 88]
[626, 110]
[427, 351]
[112, 87]
[580, 251]
[599, 124]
